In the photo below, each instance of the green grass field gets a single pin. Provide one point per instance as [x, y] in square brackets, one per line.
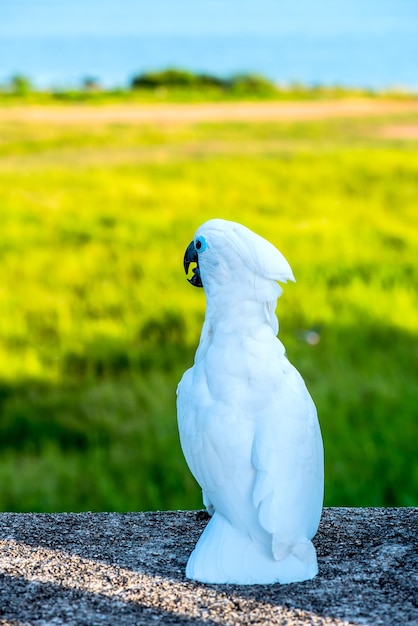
[97, 321]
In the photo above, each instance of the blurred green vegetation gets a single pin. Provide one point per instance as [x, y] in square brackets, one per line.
[180, 85]
[97, 321]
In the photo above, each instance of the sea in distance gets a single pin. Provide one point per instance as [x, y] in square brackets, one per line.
[362, 43]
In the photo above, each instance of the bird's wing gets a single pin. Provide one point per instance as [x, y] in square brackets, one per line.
[287, 456]
[216, 441]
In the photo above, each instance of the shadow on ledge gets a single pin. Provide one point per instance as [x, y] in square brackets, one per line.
[109, 568]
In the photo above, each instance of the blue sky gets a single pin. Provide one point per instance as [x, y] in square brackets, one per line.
[371, 43]
[119, 17]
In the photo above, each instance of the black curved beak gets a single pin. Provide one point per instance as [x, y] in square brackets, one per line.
[190, 256]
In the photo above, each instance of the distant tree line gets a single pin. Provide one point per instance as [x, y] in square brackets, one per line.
[174, 83]
[169, 79]
[20, 85]
[182, 79]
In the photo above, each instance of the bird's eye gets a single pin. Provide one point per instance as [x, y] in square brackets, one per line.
[200, 244]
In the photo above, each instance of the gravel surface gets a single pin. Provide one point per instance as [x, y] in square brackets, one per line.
[123, 569]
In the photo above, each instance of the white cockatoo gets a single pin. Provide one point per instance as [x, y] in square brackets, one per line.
[248, 426]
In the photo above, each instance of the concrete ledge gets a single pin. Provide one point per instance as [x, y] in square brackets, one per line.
[121, 569]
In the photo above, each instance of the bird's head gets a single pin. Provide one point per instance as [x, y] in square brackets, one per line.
[228, 255]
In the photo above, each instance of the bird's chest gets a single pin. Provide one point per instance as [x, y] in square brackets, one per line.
[222, 428]
[242, 370]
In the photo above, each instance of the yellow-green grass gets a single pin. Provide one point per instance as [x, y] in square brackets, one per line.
[97, 321]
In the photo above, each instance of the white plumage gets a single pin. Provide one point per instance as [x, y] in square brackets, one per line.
[248, 426]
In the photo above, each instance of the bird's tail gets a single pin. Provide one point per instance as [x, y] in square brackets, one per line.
[225, 554]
